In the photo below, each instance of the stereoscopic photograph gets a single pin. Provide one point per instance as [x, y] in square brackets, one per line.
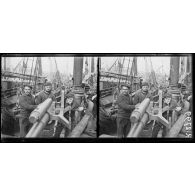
[145, 97]
[48, 97]
[132, 96]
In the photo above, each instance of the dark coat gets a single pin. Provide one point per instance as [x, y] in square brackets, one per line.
[125, 106]
[43, 95]
[27, 105]
[140, 96]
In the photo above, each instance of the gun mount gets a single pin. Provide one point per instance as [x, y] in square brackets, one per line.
[146, 112]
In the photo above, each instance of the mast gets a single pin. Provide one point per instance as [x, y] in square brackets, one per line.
[134, 73]
[128, 71]
[25, 66]
[37, 71]
[153, 75]
[35, 74]
[4, 63]
[174, 71]
[92, 65]
[40, 71]
[57, 74]
[77, 79]
[135, 65]
[99, 63]
[78, 71]
[31, 70]
[174, 78]
[120, 68]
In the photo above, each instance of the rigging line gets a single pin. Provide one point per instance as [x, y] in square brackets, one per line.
[119, 72]
[120, 69]
[131, 72]
[36, 75]
[128, 71]
[31, 70]
[55, 63]
[57, 72]
[113, 65]
[21, 69]
[26, 66]
[14, 70]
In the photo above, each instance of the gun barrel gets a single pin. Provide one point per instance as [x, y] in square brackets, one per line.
[139, 111]
[176, 128]
[132, 130]
[137, 128]
[38, 126]
[78, 130]
[39, 112]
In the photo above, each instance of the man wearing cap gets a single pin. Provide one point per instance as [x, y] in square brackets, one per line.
[169, 105]
[27, 105]
[46, 93]
[125, 107]
[142, 94]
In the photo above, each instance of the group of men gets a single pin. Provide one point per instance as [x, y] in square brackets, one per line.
[28, 103]
[126, 104]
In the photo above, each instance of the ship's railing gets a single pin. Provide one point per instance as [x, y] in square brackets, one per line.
[106, 92]
[9, 92]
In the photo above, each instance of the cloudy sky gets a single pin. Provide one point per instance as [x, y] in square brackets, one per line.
[160, 64]
[65, 64]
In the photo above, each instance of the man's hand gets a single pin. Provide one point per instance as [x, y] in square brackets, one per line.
[189, 97]
[94, 97]
[177, 109]
[80, 108]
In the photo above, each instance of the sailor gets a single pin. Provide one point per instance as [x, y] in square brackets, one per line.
[46, 93]
[27, 105]
[169, 105]
[125, 107]
[142, 94]
[153, 90]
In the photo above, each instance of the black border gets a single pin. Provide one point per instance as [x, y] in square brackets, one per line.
[99, 140]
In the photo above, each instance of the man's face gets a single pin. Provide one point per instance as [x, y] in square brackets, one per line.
[145, 88]
[167, 100]
[69, 100]
[48, 88]
[124, 90]
[27, 90]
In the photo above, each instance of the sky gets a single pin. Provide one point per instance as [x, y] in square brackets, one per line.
[142, 64]
[65, 64]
